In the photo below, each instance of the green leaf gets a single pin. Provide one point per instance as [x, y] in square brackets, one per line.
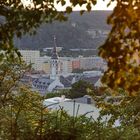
[82, 12]
[88, 7]
[94, 2]
[68, 9]
[63, 2]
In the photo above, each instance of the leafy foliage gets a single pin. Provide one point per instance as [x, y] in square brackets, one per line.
[11, 70]
[121, 49]
[81, 88]
[65, 92]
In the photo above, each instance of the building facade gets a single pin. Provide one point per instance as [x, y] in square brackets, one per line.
[55, 64]
[31, 57]
[65, 65]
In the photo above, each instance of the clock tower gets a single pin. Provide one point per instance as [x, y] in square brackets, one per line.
[54, 62]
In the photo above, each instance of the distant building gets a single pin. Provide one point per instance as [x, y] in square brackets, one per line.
[84, 106]
[65, 65]
[58, 49]
[74, 108]
[93, 73]
[92, 62]
[86, 99]
[55, 100]
[44, 84]
[31, 57]
[55, 64]
[47, 67]
[50, 83]
[75, 64]
[55, 73]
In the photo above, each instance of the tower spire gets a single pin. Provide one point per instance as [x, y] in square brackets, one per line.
[54, 62]
[54, 52]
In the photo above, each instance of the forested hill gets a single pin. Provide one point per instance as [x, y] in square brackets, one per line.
[86, 31]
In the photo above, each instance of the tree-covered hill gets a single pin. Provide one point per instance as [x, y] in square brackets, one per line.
[86, 31]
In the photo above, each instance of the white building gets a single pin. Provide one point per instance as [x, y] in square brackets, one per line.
[38, 63]
[92, 62]
[58, 49]
[31, 57]
[65, 65]
[55, 64]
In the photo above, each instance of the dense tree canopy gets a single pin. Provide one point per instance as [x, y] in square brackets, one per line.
[122, 47]
[81, 88]
[11, 70]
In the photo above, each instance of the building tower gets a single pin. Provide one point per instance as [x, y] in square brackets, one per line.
[54, 62]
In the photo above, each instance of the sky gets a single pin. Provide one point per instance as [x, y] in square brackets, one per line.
[101, 5]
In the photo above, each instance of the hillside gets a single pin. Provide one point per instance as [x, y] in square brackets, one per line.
[84, 31]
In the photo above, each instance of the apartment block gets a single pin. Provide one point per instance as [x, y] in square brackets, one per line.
[65, 65]
[31, 57]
